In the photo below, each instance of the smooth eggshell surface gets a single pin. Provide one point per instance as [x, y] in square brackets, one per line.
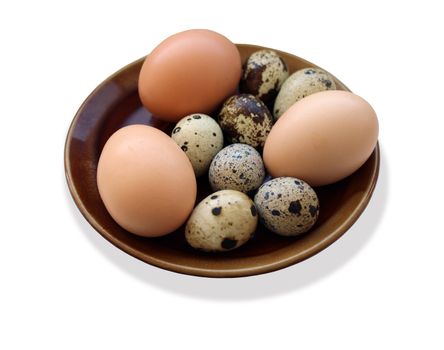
[299, 85]
[145, 181]
[264, 73]
[245, 119]
[287, 206]
[236, 167]
[200, 137]
[223, 221]
[189, 72]
[322, 138]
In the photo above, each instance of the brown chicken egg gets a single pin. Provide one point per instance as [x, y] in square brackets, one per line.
[322, 138]
[145, 181]
[190, 72]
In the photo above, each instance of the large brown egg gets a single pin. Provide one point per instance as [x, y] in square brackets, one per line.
[189, 72]
[145, 181]
[322, 138]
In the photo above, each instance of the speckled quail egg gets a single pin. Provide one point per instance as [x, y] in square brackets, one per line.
[200, 137]
[245, 119]
[236, 167]
[300, 84]
[287, 206]
[264, 73]
[222, 221]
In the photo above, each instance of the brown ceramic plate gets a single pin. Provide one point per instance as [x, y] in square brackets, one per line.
[115, 103]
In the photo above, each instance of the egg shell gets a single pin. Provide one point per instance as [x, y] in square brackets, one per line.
[300, 84]
[245, 119]
[146, 182]
[190, 72]
[287, 206]
[264, 73]
[322, 138]
[236, 167]
[200, 137]
[223, 221]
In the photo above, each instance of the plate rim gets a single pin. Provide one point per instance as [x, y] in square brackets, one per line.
[200, 271]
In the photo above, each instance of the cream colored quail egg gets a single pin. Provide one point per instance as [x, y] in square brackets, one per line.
[236, 167]
[287, 206]
[264, 73]
[300, 84]
[223, 221]
[245, 119]
[200, 137]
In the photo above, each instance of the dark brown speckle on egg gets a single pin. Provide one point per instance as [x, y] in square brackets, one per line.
[295, 207]
[313, 210]
[216, 211]
[228, 243]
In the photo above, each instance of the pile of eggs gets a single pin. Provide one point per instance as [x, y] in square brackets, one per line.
[260, 135]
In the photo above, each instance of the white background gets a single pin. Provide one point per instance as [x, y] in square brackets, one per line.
[65, 287]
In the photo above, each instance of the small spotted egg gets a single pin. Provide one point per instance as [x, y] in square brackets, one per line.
[245, 119]
[236, 167]
[300, 84]
[200, 137]
[222, 221]
[264, 73]
[287, 206]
